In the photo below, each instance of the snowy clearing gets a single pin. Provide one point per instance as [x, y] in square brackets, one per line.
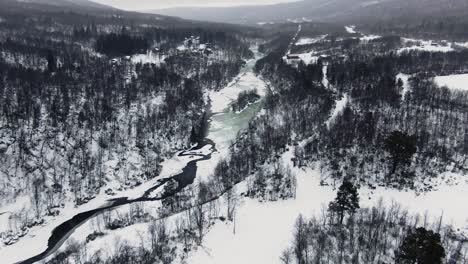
[457, 81]
[367, 38]
[425, 45]
[307, 41]
[149, 57]
[427, 48]
[339, 106]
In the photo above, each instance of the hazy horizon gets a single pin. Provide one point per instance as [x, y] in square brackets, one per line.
[162, 4]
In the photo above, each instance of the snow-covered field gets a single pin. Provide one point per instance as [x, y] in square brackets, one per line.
[262, 230]
[457, 81]
[307, 41]
[425, 45]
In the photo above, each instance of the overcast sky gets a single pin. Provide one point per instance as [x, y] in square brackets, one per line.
[159, 4]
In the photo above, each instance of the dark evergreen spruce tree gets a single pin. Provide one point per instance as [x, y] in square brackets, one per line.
[346, 201]
[401, 147]
[422, 247]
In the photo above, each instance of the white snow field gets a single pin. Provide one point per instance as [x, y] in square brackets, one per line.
[456, 82]
[425, 45]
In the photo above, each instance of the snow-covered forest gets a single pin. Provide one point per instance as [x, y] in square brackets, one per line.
[137, 138]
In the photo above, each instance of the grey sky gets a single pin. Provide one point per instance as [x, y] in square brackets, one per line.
[158, 4]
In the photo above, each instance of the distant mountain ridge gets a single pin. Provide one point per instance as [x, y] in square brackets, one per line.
[321, 10]
[68, 3]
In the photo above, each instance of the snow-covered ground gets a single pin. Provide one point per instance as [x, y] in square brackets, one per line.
[462, 44]
[339, 106]
[299, 20]
[429, 48]
[425, 45]
[367, 38]
[307, 41]
[265, 23]
[325, 81]
[457, 81]
[262, 230]
[149, 57]
[293, 41]
[223, 129]
[36, 240]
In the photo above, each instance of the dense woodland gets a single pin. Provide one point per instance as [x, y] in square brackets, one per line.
[82, 115]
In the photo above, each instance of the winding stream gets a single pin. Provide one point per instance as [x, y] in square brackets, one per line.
[223, 128]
